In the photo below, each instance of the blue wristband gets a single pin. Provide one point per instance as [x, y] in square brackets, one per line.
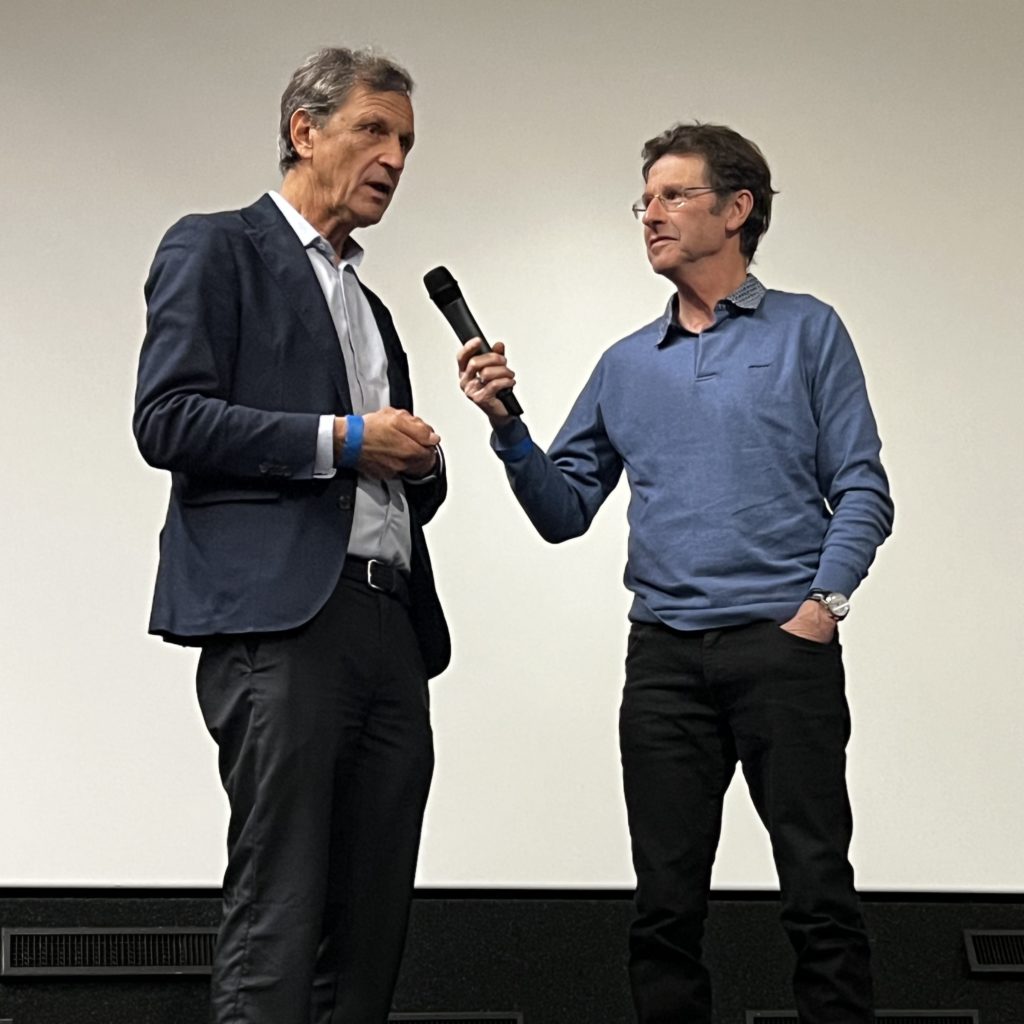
[353, 444]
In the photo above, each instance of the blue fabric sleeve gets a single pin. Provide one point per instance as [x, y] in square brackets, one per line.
[850, 471]
[562, 490]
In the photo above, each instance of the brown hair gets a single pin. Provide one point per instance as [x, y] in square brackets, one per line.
[733, 163]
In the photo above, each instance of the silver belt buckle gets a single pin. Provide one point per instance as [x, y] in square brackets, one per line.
[369, 575]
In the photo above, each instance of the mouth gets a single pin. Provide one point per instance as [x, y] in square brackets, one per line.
[657, 240]
[383, 189]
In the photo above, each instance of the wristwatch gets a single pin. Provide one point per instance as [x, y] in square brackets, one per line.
[836, 604]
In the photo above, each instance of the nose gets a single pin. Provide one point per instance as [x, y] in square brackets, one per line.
[654, 214]
[393, 154]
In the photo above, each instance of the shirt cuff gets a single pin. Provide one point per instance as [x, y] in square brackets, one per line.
[434, 473]
[324, 463]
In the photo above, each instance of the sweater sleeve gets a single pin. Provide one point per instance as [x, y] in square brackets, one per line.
[849, 466]
[562, 490]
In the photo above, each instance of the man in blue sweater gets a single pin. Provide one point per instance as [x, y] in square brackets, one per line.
[757, 502]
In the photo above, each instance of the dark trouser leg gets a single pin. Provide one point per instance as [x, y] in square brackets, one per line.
[290, 713]
[677, 762]
[375, 838]
[791, 724]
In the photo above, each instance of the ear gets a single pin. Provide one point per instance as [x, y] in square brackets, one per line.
[301, 127]
[739, 209]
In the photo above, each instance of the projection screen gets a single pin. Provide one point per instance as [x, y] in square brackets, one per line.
[895, 136]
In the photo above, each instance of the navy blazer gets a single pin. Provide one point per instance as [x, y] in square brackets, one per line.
[240, 360]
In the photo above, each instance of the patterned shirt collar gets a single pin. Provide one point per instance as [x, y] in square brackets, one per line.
[747, 297]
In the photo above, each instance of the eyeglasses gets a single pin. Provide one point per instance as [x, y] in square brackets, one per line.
[674, 199]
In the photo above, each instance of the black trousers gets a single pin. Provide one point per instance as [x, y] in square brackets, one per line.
[326, 754]
[693, 704]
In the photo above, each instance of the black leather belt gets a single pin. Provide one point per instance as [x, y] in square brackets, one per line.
[377, 576]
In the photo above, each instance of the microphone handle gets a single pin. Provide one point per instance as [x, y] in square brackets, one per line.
[458, 315]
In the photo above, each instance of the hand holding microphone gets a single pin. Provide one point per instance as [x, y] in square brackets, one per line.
[486, 380]
[484, 375]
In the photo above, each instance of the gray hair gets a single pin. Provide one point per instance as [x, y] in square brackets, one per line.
[322, 83]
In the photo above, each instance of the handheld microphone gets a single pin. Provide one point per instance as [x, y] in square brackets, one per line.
[445, 291]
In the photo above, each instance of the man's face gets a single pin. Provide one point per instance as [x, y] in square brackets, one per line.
[697, 230]
[358, 154]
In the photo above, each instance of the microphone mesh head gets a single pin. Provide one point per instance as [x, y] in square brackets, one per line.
[441, 286]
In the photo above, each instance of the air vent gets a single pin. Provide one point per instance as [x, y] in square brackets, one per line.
[995, 951]
[65, 951]
[881, 1016]
[457, 1018]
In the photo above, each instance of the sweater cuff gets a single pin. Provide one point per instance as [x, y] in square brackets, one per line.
[835, 579]
[512, 442]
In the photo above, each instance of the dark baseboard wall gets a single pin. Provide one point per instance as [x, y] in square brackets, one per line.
[556, 957]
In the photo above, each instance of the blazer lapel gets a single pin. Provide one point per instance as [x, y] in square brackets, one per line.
[288, 263]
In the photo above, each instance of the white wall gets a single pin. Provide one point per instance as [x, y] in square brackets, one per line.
[894, 130]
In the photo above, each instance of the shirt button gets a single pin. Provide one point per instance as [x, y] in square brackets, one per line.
[345, 503]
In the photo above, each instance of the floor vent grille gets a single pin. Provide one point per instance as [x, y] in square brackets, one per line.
[458, 1018]
[881, 1016]
[995, 951]
[50, 952]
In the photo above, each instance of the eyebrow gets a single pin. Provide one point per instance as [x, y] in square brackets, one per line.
[405, 139]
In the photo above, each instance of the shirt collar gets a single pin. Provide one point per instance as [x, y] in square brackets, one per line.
[747, 297]
[310, 238]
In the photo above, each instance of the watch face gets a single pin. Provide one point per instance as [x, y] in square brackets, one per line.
[837, 604]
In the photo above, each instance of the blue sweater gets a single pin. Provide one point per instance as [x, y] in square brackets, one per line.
[751, 454]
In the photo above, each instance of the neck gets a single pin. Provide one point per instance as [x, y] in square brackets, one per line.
[301, 191]
[702, 287]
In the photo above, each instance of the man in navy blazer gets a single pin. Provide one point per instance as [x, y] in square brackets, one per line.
[273, 386]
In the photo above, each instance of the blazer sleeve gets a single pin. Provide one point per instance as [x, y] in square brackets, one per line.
[184, 418]
[426, 496]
